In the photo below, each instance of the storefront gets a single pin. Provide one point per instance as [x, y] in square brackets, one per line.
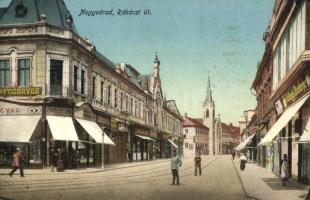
[143, 144]
[292, 111]
[21, 126]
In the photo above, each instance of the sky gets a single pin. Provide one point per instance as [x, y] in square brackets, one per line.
[193, 39]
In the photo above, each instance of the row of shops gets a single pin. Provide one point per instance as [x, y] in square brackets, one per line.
[285, 130]
[40, 127]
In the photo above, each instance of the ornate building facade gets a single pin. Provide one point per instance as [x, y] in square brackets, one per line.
[64, 94]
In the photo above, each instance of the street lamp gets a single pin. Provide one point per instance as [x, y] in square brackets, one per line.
[102, 149]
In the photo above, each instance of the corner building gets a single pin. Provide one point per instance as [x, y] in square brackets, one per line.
[58, 91]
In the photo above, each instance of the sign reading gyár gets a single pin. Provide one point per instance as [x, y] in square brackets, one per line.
[295, 91]
[14, 109]
[24, 91]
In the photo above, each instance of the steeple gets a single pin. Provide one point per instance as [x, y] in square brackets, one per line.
[156, 66]
[209, 93]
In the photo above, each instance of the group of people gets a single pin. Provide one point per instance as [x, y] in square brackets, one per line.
[284, 166]
[176, 163]
[58, 159]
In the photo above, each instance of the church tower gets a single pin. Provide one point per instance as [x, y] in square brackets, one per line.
[208, 108]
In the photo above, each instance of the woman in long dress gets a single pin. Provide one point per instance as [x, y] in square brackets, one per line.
[284, 170]
[243, 160]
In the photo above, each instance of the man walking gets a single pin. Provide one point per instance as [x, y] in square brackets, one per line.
[197, 160]
[175, 164]
[17, 163]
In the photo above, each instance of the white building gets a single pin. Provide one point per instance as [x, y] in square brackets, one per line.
[196, 137]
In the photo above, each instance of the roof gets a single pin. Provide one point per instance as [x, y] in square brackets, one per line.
[190, 122]
[230, 128]
[55, 11]
[105, 60]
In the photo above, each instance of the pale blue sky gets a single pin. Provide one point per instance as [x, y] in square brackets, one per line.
[191, 38]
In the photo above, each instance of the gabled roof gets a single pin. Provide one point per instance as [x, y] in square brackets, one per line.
[190, 122]
[230, 128]
[55, 12]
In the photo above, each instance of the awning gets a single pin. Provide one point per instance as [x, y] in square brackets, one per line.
[17, 128]
[145, 137]
[94, 130]
[306, 133]
[173, 144]
[243, 144]
[283, 120]
[62, 128]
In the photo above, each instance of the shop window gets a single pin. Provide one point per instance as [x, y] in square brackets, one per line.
[35, 153]
[23, 72]
[4, 73]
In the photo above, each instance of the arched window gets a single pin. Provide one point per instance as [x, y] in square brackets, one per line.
[207, 113]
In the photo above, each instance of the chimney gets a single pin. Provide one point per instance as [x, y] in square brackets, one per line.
[185, 114]
[230, 124]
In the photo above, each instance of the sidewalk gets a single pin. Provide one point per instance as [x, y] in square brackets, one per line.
[259, 183]
[6, 171]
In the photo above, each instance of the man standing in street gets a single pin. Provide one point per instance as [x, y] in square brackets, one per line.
[175, 164]
[17, 162]
[197, 160]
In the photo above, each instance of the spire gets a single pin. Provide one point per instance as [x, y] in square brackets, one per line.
[156, 61]
[209, 93]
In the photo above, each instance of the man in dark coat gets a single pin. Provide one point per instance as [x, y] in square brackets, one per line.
[17, 163]
[197, 160]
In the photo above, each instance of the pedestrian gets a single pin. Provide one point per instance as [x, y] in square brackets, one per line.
[60, 160]
[54, 156]
[197, 160]
[284, 170]
[175, 164]
[76, 159]
[233, 153]
[17, 163]
[243, 160]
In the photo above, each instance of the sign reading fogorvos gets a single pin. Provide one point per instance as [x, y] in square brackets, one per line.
[24, 91]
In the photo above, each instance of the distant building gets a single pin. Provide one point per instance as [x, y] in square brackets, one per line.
[196, 137]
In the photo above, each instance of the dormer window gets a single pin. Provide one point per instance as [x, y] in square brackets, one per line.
[20, 10]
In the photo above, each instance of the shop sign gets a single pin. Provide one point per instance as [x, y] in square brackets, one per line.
[105, 121]
[85, 112]
[122, 127]
[13, 109]
[113, 124]
[141, 131]
[24, 91]
[295, 91]
[67, 112]
[279, 107]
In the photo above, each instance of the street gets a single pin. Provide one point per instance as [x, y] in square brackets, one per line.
[219, 180]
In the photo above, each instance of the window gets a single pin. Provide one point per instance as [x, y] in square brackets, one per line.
[4, 73]
[109, 95]
[115, 98]
[82, 81]
[101, 91]
[56, 73]
[131, 105]
[207, 113]
[127, 103]
[75, 78]
[94, 87]
[186, 130]
[23, 72]
[121, 101]
[186, 145]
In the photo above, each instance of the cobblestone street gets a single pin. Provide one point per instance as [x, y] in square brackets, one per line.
[152, 181]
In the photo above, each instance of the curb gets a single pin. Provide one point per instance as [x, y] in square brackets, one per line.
[94, 171]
